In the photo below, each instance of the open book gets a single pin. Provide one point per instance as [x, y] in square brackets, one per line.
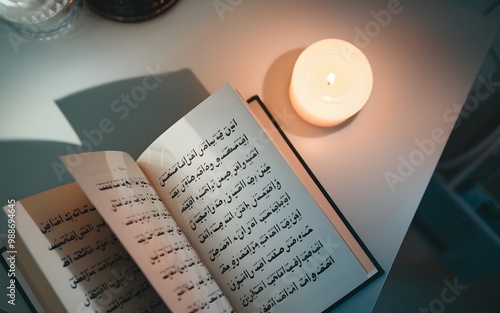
[219, 214]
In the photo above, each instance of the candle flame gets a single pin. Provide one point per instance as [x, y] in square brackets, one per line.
[330, 79]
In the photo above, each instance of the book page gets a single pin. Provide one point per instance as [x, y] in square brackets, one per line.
[254, 224]
[135, 213]
[80, 264]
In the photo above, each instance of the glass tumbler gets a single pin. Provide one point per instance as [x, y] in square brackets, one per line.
[40, 19]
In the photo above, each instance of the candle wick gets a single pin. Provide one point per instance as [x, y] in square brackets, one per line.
[330, 79]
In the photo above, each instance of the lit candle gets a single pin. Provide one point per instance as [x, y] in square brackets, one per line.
[331, 81]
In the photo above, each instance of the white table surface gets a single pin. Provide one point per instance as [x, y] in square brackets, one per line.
[424, 61]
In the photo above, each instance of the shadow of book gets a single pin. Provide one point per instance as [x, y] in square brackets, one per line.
[125, 115]
[128, 115]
